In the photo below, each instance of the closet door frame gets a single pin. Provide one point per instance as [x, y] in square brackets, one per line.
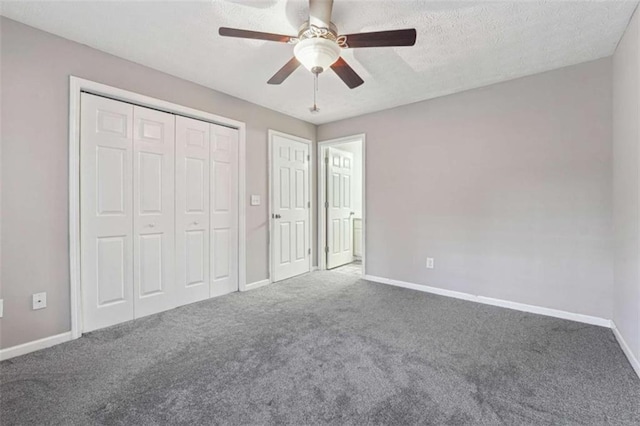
[76, 87]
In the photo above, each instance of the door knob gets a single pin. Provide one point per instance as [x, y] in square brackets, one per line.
[151, 225]
[196, 222]
[278, 216]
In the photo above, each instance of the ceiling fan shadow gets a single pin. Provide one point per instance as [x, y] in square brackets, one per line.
[296, 11]
[384, 65]
[257, 4]
[353, 16]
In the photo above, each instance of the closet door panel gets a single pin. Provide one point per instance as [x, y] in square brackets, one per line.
[192, 209]
[111, 271]
[224, 210]
[154, 211]
[106, 210]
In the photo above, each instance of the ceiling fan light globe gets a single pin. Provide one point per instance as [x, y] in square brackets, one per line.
[316, 53]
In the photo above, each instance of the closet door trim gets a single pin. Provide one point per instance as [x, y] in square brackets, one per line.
[78, 86]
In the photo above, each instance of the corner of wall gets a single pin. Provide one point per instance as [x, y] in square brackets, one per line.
[626, 191]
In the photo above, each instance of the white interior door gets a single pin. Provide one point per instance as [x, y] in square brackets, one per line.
[224, 210]
[106, 211]
[192, 210]
[154, 208]
[291, 207]
[339, 207]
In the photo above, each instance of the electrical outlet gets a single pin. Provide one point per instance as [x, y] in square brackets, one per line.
[255, 200]
[1, 308]
[39, 301]
[430, 263]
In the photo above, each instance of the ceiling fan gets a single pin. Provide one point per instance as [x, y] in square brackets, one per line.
[318, 44]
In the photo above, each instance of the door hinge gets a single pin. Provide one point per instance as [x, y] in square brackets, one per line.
[326, 204]
[309, 251]
[308, 157]
[309, 204]
[326, 249]
[326, 160]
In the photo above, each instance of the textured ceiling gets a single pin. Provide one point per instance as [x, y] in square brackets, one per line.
[460, 45]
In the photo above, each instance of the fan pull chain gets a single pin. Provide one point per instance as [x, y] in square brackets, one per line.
[315, 108]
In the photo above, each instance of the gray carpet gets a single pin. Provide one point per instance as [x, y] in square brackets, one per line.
[328, 348]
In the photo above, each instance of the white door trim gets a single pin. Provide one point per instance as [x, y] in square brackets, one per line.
[76, 87]
[322, 260]
[271, 134]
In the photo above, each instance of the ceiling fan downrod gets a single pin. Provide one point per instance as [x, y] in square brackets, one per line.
[314, 109]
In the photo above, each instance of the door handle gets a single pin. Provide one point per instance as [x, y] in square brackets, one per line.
[152, 225]
[277, 216]
[196, 222]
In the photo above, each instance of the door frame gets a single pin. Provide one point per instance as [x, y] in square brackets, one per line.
[322, 194]
[271, 133]
[76, 87]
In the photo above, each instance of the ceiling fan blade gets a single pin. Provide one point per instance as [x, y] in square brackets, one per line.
[284, 72]
[235, 32]
[320, 12]
[346, 73]
[381, 38]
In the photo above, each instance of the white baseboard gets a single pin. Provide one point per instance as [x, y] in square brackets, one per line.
[256, 284]
[495, 302]
[36, 345]
[625, 348]
[419, 287]
[587, 319]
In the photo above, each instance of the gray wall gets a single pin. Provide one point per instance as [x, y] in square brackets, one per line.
[626, 184]
[508, 187]
[35, 90]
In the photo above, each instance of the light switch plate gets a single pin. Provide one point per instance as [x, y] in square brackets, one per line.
[255, 200]
[1, 308]
[430, 263]
[39, 301]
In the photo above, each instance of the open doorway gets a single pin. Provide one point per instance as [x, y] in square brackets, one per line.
[341, 204]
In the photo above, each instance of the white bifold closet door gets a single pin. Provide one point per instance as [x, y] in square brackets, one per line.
[153, 211]
[127, 213]
[192, 209]
[224, 210]
[106, 187]
[206, 209]
[159, 211]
